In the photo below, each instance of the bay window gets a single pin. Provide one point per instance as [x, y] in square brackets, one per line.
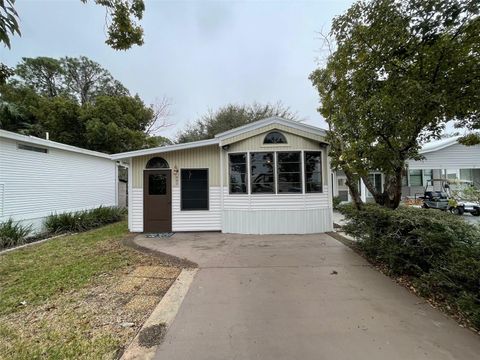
[270, 172]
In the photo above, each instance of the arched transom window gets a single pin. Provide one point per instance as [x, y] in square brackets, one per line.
[275, 137]
[157, 163]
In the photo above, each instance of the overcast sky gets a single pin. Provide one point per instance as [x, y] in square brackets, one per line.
[200, 54]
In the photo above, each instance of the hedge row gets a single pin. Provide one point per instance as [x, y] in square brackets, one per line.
[14, 234]
[439, 251]
[83, 220]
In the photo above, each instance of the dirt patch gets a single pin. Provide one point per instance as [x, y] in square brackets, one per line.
[165, 259]
[98, 320]
[156, 272]
[152, 335]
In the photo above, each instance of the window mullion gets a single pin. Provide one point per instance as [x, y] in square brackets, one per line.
[275, 173]
[302, 171]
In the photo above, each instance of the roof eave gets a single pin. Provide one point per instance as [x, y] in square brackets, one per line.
[164, 149]
[50, 144]
[269, 121]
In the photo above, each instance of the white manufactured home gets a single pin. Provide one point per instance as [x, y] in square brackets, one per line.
[267, 177]
[39, 177]
[445, 158]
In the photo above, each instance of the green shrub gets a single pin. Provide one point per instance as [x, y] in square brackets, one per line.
[438, 250]
[13, 234]
[83, 220]
[336, 202]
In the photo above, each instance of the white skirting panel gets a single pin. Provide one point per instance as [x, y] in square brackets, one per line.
[302, 221]
[197, 220]
[136, 209]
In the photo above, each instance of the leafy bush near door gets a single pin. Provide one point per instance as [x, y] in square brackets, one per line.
[438, 252]
[83, 220]
[13, 234]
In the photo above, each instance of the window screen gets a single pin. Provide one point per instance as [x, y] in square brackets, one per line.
[238, 173]
[313, 171]
[194, 189]
[289, 172]
[428, 175]
[261, 170]
[416, 178]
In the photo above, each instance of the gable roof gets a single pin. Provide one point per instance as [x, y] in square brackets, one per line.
[268, 121]
[439, 144]
[219, 138]
[26, 139]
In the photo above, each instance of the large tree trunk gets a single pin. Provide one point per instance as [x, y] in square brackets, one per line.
[391, 194]
[352, 183]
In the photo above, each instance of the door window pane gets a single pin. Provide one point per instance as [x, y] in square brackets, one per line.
[157, 184]
[238, 173]
[313, 171]
[261, 170]
[194, 189]
[289, 172]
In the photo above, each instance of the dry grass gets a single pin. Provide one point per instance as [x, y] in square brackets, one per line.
[79, 297]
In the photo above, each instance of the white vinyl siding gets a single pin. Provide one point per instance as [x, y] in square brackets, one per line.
[277, 213]
[197, 220]
[192, 220]
[38, 184]
[452, 157]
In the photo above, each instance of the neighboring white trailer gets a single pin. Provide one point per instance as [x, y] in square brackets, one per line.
[40, 177]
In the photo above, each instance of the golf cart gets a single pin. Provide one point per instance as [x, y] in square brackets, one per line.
[457, 190]
[437, 195]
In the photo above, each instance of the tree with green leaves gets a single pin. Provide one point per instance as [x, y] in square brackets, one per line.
[398, 72]
[230, 117]
[80, 78]
[86, 79]
[79, 103]
[122, 18]
[44, 74]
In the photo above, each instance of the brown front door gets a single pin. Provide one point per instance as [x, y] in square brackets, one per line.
[157, 201]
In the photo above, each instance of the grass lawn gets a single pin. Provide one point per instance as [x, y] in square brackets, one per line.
[82, 296]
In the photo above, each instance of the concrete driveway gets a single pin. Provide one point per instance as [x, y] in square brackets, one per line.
[299, 297]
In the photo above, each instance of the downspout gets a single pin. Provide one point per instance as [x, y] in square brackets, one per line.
[329, 179]
[129, 195]
[221, 185]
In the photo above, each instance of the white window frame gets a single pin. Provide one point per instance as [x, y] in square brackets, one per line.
[247, 174]
[276, 193]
